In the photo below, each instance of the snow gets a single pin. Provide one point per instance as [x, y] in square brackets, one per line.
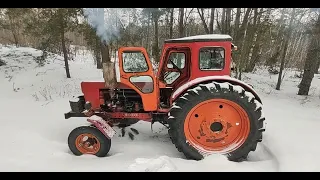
[74, 99]
[249, 95]
[176, 107]
[160, 164]
[34, 99]
[205, 37]
[224, 85]
[202, 79]
[237, 88]
[95, 118]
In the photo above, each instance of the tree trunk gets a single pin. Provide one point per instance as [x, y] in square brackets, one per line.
[155, 47]
[309, 67]
[15, 38]
[256, 29]
[166, 26]
[63, 44]
[243, 27]
[255, 53]
[302, 54]
[105, 54]
[14, 31]
[65, 54]
[241, 41]
[313, 54]
[223, 21]
[237, 23]
[97, 52]
[228, 21]
[171, 24]
[211, 21]
[318, 64]
[148, 32]
[181, 28]
[276, 45]
[200, 12]
[283, 56]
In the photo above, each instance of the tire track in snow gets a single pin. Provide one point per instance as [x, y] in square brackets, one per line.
[265, 153]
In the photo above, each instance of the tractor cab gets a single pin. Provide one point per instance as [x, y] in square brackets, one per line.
[182, 60]
[187, 58]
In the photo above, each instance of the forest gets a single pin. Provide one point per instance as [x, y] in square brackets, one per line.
[277, 38]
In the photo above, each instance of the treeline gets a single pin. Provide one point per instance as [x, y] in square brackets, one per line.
[279, 38]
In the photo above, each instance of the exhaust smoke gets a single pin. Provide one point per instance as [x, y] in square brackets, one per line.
[104, 21]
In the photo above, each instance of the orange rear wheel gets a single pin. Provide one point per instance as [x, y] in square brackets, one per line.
[216, 118]
[217, 125]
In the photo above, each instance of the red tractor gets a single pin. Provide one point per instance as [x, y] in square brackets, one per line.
[192, 93]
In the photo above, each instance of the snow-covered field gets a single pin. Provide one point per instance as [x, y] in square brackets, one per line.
[34, 100]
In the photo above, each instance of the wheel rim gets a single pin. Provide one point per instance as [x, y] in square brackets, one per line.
[87, 143]
[217, 126]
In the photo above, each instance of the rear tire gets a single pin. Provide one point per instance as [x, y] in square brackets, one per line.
[196, 122]
[88, 140]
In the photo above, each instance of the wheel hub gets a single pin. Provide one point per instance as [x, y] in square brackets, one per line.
[87, 144]
[217, 125]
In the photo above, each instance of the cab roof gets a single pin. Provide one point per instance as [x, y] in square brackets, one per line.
[201, 38]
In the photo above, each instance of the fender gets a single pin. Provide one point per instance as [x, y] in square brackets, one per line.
[226, 78]
[102, 125]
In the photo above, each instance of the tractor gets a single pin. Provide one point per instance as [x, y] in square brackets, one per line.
[192, 92]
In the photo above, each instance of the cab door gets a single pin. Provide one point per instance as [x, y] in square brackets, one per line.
[136, 71]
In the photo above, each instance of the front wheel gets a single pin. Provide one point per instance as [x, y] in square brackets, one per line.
[88, 140]
[216, 118]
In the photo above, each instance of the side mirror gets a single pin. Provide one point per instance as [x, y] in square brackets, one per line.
[234, 47]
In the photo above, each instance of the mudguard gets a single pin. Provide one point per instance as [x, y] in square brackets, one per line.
[200, 80]
[102, 125]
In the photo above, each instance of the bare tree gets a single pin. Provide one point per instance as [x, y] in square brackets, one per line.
[171, 23]
[211, 20]
[237, 23]
[228, 21]
[12, 20]
[286, 43]
[201, 14]
[241, 41]
[181, 26]
[310, 66]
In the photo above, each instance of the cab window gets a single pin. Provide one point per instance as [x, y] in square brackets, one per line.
[211, 58]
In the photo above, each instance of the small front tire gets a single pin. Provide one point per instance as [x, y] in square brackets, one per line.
[88, 140]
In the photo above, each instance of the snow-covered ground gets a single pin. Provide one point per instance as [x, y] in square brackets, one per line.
[34, 99]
